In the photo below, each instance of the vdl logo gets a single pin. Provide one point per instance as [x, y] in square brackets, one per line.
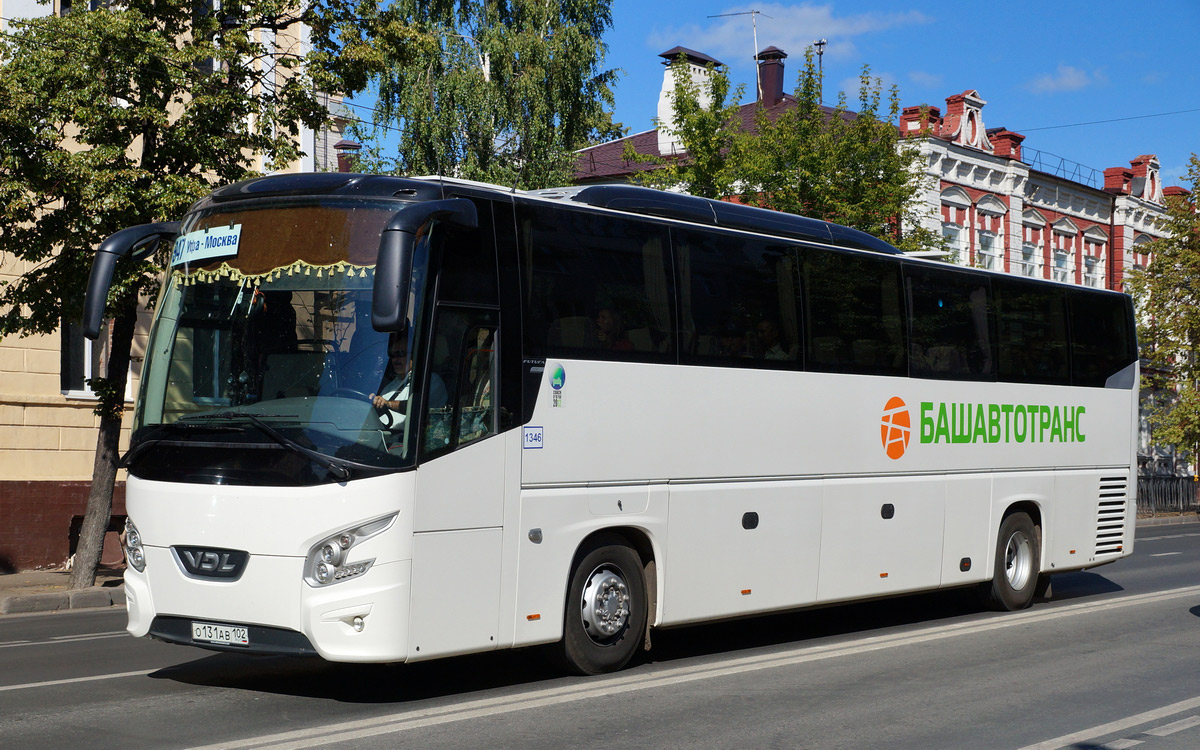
[895, 428]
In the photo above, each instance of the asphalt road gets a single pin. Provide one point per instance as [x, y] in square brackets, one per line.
[1112, 660]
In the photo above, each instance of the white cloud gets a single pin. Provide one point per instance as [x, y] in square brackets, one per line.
[789, 27]
[927, 80]
[1067, 78]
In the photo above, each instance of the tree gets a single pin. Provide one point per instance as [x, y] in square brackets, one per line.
[117, 117]
[1168, 299]
[845, 167]
[501, 92]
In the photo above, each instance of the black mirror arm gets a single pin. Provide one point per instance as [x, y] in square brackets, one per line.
[117, 246]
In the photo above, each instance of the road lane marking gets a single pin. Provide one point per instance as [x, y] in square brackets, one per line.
[72, 680]
[1165, 554]
[1173, 727]
[1119, 725]
[64, 639]
[626, 683]
[88, 635]
[1121, 744]
[1168, 536]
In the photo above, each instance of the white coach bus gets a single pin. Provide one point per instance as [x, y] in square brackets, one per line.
[387, 420]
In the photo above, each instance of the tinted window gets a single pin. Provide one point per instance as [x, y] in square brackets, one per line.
[949, 327]
[738, 297]
[853, 316]
[595, 286]
[1102, 337]
[468, 271]
[1031, 328]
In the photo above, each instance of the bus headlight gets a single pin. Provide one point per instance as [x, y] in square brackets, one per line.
[133, 547]
[328, 561]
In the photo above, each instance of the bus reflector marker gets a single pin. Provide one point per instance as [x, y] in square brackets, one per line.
[883, 575]
[745, 592]
[533, 618]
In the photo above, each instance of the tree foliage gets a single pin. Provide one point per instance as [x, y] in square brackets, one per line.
[124, 116]
[827, 163]
[1168, 300]
[501, 92]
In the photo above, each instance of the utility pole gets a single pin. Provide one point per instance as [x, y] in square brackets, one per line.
[820, 45]
[754, 14]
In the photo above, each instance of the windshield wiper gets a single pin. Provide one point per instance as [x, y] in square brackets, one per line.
[334, 466]
[151, 438]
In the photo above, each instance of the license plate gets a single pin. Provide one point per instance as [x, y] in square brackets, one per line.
[229, 635]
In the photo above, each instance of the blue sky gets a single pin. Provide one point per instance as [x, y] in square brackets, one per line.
[1039, 65]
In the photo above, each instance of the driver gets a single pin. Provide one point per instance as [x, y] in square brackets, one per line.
[392, 399]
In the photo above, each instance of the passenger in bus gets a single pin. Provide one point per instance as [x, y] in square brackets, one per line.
[731, 342]
[393, 396]
[770, 342]
[610, 331]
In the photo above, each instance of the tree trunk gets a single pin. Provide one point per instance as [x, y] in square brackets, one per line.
[104, 470]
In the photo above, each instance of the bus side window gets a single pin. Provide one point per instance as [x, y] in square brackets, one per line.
[950, 335]
[1102, 337]
[595, 287]
[854, 314]
[466, 369]
[1031, 326]
[739, 299]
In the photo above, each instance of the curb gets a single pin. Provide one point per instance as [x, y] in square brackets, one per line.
[93, 598]
[1168, 520]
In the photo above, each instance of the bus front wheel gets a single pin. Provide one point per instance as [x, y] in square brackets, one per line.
[1015, 574]
[606, 608]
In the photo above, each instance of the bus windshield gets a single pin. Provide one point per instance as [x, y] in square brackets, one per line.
[263, 337]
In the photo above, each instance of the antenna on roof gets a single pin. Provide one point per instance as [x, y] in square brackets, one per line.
[754, 14]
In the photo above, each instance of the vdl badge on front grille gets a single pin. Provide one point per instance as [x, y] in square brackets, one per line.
[210, 562]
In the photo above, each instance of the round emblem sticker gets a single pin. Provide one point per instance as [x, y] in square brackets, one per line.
[558, 376]
[895, 427]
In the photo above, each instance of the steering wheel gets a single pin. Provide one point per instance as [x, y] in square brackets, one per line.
[352, 393]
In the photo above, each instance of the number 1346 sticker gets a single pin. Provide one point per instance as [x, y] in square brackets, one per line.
[533, 438]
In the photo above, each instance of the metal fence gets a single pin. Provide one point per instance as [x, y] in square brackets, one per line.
[1166, 495]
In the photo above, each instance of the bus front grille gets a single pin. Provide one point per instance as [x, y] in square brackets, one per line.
[1110, 515]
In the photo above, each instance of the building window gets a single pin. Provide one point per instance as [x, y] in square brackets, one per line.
[1027, 265]
[989, 251]
[1062, 266]
[79, 361]
[1093, 273]
[955, 240]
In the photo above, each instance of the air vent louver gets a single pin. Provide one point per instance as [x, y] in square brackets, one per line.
[1110, 515]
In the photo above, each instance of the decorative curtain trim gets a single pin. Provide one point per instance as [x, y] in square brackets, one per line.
[226, 271]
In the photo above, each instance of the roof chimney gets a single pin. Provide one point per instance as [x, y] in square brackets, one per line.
[697, 68]
[770, 75]
[920, 120]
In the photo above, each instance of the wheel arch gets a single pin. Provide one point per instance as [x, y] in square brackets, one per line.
[644, 544]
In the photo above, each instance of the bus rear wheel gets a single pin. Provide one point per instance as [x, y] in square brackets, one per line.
[606, 608]
[1015, 574]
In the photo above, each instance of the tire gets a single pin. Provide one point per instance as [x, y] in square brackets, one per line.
[605, 616]
[1016, 569]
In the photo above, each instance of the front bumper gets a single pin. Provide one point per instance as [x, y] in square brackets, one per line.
[283, 618]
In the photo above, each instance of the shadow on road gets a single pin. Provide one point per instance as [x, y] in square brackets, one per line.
[389, 684]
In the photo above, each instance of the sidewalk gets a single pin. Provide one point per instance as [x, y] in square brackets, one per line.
[47, 591]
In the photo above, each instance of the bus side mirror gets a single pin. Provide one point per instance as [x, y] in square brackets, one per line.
[393, 267]
[145, 238]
